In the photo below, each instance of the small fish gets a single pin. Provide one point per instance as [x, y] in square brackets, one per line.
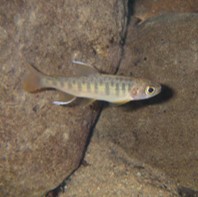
[90, 84]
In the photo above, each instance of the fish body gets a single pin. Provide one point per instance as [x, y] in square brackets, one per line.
[95, 86]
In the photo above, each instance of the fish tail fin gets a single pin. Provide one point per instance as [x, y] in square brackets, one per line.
[33, 81]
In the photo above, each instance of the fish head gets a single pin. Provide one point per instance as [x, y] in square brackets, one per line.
[144, 89]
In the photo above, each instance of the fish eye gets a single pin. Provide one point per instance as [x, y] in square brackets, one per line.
[150, 90]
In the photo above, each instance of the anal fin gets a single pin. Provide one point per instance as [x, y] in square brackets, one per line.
[85, 101]
[120, 102]
[64, 102]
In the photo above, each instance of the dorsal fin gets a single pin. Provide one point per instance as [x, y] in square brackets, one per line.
[82, 69]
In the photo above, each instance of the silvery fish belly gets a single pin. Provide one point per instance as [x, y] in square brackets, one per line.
[95, 86]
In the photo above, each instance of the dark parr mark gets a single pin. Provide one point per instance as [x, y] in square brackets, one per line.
[101, 81]
[69, 84]
[61, 82]
[117, 89]
[123, 87]
[79, 86]
[107, 90]
[112, 82]
[54, 82]
[88, 86]
[96, 86]
[129, 85]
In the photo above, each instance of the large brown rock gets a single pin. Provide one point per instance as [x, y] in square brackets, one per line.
[41, 144]
[161, 132]
[144, 9]
[111, 172]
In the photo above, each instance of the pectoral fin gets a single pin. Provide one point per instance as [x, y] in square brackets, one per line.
[64, 102]
[65, 99]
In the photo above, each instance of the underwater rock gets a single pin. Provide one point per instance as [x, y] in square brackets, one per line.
[144, 9]
[111, 172]
[161, 132]
[42, 144]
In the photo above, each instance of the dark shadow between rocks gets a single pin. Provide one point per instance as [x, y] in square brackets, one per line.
[186, 192]
[130, 10]
[59, 189]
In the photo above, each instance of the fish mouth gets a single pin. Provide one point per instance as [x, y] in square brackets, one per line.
[158, 89]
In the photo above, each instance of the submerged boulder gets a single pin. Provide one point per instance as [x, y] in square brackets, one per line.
[42, 144]
[162, 131]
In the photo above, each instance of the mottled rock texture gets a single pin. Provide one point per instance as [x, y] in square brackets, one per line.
[41, 144]
[162, 131]
[144, 9]
[136, 147]
[111, 172]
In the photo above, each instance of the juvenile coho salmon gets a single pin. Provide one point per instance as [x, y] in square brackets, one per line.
[92, 85]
